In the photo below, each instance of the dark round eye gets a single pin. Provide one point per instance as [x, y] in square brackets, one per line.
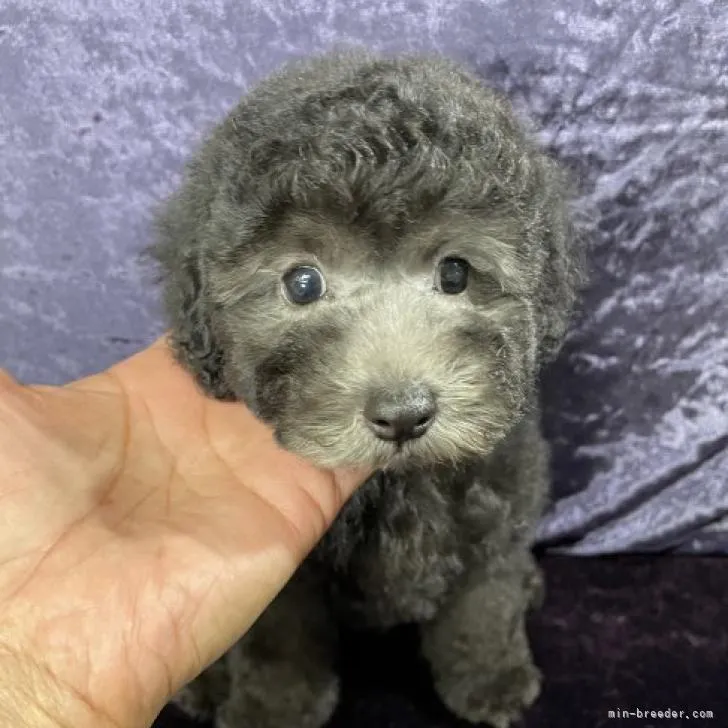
[452, 275]
[304, 284]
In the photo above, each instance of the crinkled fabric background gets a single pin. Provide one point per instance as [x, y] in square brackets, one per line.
[103, 101]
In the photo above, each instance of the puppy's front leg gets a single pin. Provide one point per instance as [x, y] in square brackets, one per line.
[477, 645]
[282, 671]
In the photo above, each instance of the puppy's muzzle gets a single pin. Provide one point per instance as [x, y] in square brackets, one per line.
[400, 415]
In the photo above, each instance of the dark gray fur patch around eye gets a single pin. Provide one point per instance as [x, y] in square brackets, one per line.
[287, 364]
[272, 378]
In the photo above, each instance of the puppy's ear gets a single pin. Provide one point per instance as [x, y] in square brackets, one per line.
[193, 336]
[563, 274]
[190, 314]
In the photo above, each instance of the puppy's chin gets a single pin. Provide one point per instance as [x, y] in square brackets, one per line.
[372, 455]
[340, 458]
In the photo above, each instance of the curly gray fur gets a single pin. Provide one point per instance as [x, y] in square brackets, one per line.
[373, 170]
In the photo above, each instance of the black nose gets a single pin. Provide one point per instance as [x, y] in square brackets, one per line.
[400, 416]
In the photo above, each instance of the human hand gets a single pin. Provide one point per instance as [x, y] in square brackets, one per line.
[144, 529]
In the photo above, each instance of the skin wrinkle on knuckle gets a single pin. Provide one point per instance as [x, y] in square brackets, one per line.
[303, 514]
[294, 537]
[317, 515]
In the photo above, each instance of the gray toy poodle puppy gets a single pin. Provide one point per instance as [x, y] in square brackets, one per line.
[373, 256]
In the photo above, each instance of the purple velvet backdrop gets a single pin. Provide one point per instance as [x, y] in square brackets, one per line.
[101, 103]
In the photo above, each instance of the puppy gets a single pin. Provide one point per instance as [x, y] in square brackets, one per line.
[373, 256]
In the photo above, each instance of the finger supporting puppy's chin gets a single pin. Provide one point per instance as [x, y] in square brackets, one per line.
[349, 479]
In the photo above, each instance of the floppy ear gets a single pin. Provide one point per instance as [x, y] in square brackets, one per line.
[563, 273]
[193, 336]
[194, 333]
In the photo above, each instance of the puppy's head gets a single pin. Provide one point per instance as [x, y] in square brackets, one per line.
[373, 257]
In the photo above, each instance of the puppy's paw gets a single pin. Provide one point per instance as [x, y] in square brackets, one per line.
[497, 700]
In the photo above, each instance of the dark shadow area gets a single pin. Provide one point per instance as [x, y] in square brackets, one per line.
[622, 633]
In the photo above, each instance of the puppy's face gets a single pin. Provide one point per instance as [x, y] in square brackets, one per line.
[407, 351]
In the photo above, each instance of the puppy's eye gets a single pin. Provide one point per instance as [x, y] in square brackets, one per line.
[304, 284]
[452, 275]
